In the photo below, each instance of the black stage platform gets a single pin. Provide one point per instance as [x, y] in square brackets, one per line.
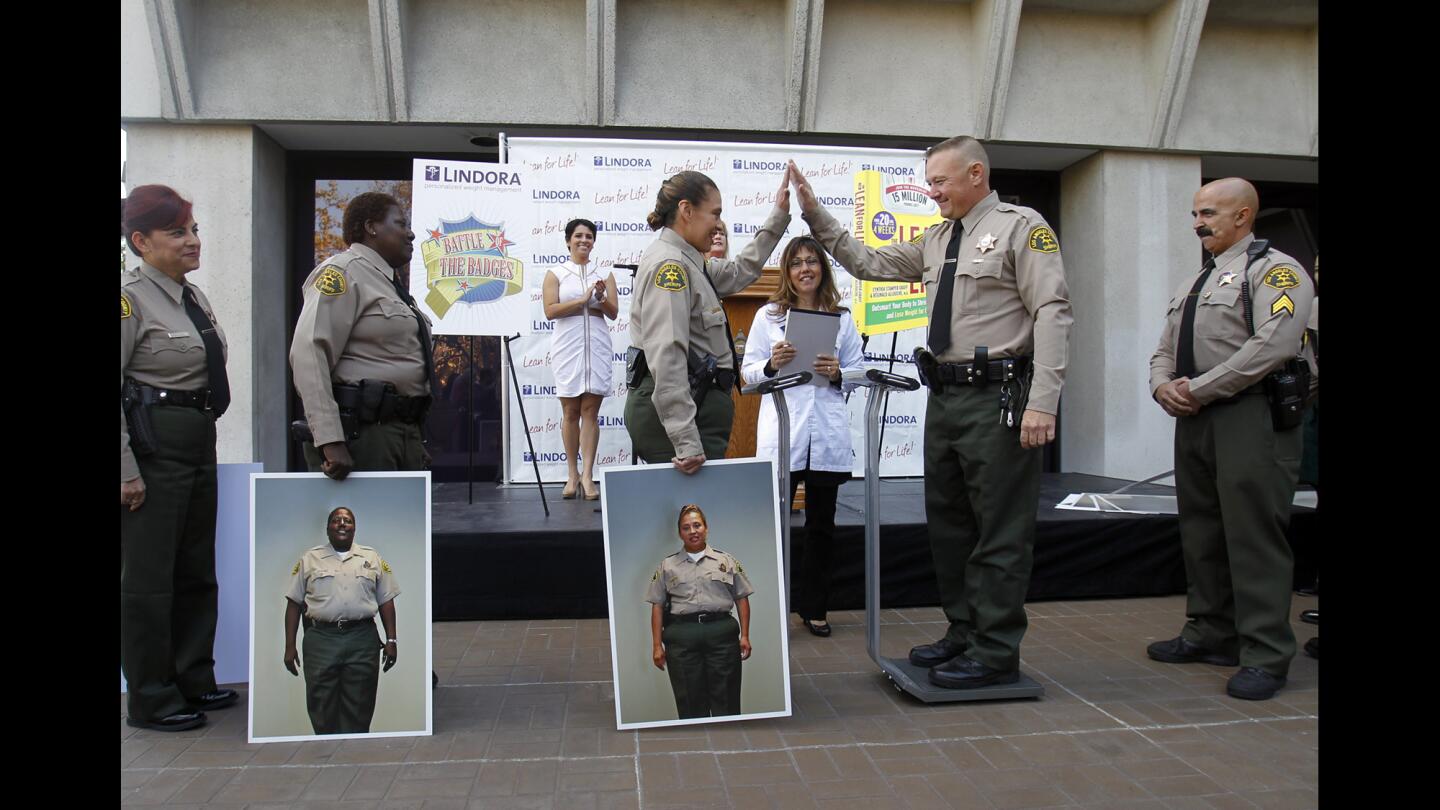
[502, 558]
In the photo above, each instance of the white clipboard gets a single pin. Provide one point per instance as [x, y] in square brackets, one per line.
[811, 333]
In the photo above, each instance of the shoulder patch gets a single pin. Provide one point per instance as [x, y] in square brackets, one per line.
[671, 276]
[1282, 277]
[331, 282]
[1042, 240]
[655, 575]
[384, 566]
[296, 569]
[915, 240]
[1282, 303]
[125, 310]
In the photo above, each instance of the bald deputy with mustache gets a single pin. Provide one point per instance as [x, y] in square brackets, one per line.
[1235, 473]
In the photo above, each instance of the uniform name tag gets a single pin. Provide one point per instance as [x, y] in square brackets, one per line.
[177, 334]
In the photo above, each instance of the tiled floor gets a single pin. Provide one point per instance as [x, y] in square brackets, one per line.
[525, 718]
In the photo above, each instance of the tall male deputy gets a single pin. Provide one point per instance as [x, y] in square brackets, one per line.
[1226, 368]
[999, 332]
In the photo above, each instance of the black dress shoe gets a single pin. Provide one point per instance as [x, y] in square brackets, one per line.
[1254, 684]
[821, 630]
[961, 672]
[1180, 650]
[175, 722]
[1312, 648]
[929, 655]
[218, 699]
[1310, 616]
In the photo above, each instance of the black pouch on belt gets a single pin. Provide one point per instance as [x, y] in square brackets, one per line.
[635, 367]
[1015, 391]
[372, 395]
[928, 368]
[1286, 388]
[137, 420]
[702, 375]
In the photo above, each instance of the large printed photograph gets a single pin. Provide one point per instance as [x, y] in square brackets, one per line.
[695, 577]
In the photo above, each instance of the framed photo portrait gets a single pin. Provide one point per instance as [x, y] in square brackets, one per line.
[340, 606]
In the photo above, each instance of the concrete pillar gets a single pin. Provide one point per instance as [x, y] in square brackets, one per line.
[1127, 242]
[235, 176]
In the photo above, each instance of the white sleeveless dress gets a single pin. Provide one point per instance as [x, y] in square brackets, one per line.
[580, 354]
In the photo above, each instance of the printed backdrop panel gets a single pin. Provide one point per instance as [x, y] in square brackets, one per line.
[519, 210]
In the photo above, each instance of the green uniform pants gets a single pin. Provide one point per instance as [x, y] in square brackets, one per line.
[981, 491]
[652, 444]
[703, 661]
[1235, 480]
[342, 675]
[380, 447]
[168, 593]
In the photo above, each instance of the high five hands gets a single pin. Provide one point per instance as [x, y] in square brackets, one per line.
[803, 192]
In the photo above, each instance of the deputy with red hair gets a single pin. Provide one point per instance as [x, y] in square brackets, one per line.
[173, 388]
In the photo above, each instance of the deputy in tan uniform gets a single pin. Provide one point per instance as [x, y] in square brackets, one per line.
[339, 587]
[173, 388]
[691, 594]
[999, 313]
[676, 314]
[359, 327]
[1234, 471]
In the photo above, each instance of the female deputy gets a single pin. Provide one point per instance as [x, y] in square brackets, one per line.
[173, 388]
[579, 300]
[691, 628]
[820, 453]
[361, 354]
[678, 325]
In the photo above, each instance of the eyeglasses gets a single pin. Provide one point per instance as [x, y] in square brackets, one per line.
[812, 261]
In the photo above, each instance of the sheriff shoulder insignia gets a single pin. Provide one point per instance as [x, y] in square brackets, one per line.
[331, 282]
[1282, 277]
[296, 569]
[1283, 302]
[915, 240]
[384, 566]
[655, 575]
[671, 276]
[125, 310]
[722, 568]
[1042, 240]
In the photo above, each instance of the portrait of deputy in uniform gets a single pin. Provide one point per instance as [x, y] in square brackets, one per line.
[999, 331]
[682, 361]
[335, 591]
[820, 452]
[361, 355]
[1227, 370]
[173, 387]
[694, 637]
[579, 297]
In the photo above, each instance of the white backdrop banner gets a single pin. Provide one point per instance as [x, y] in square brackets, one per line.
[505, 228]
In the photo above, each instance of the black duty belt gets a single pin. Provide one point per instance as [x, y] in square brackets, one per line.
[149, 395]
[393, 407]
[343, 624]
[1257, 388]
[970, 373]
[699, 618]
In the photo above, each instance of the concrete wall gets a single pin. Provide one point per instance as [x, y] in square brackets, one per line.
[268, 292]
[1127, 242]
[214, 167]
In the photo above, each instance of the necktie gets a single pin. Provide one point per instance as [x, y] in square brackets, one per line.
[939, 338]
[1185, 351]
[214, 353]
[424, 332]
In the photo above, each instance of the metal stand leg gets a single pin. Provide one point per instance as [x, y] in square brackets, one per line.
[775, 387]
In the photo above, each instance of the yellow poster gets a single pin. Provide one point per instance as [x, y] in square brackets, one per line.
[466, 261]
[889, 213]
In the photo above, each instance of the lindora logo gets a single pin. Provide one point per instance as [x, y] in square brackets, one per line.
[554, 195]
[837, 202]
[482, 177]
[608, 162]
[758, 165]
[549, 258]
[542, 326]
[866, 167]
[741, 227]
[901, 420]
[611, 421]
[537, 390]
[465, 262]
[544, 457]
[608, 226]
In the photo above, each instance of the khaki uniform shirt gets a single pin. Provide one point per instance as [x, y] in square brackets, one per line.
[159, 344]
[1010, 293]
[673, 309]
[709, 585]
[353, 326]
[332, 589]
[1228, 359]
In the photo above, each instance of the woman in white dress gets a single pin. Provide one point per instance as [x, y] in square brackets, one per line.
[578, 297]
[820, 452]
